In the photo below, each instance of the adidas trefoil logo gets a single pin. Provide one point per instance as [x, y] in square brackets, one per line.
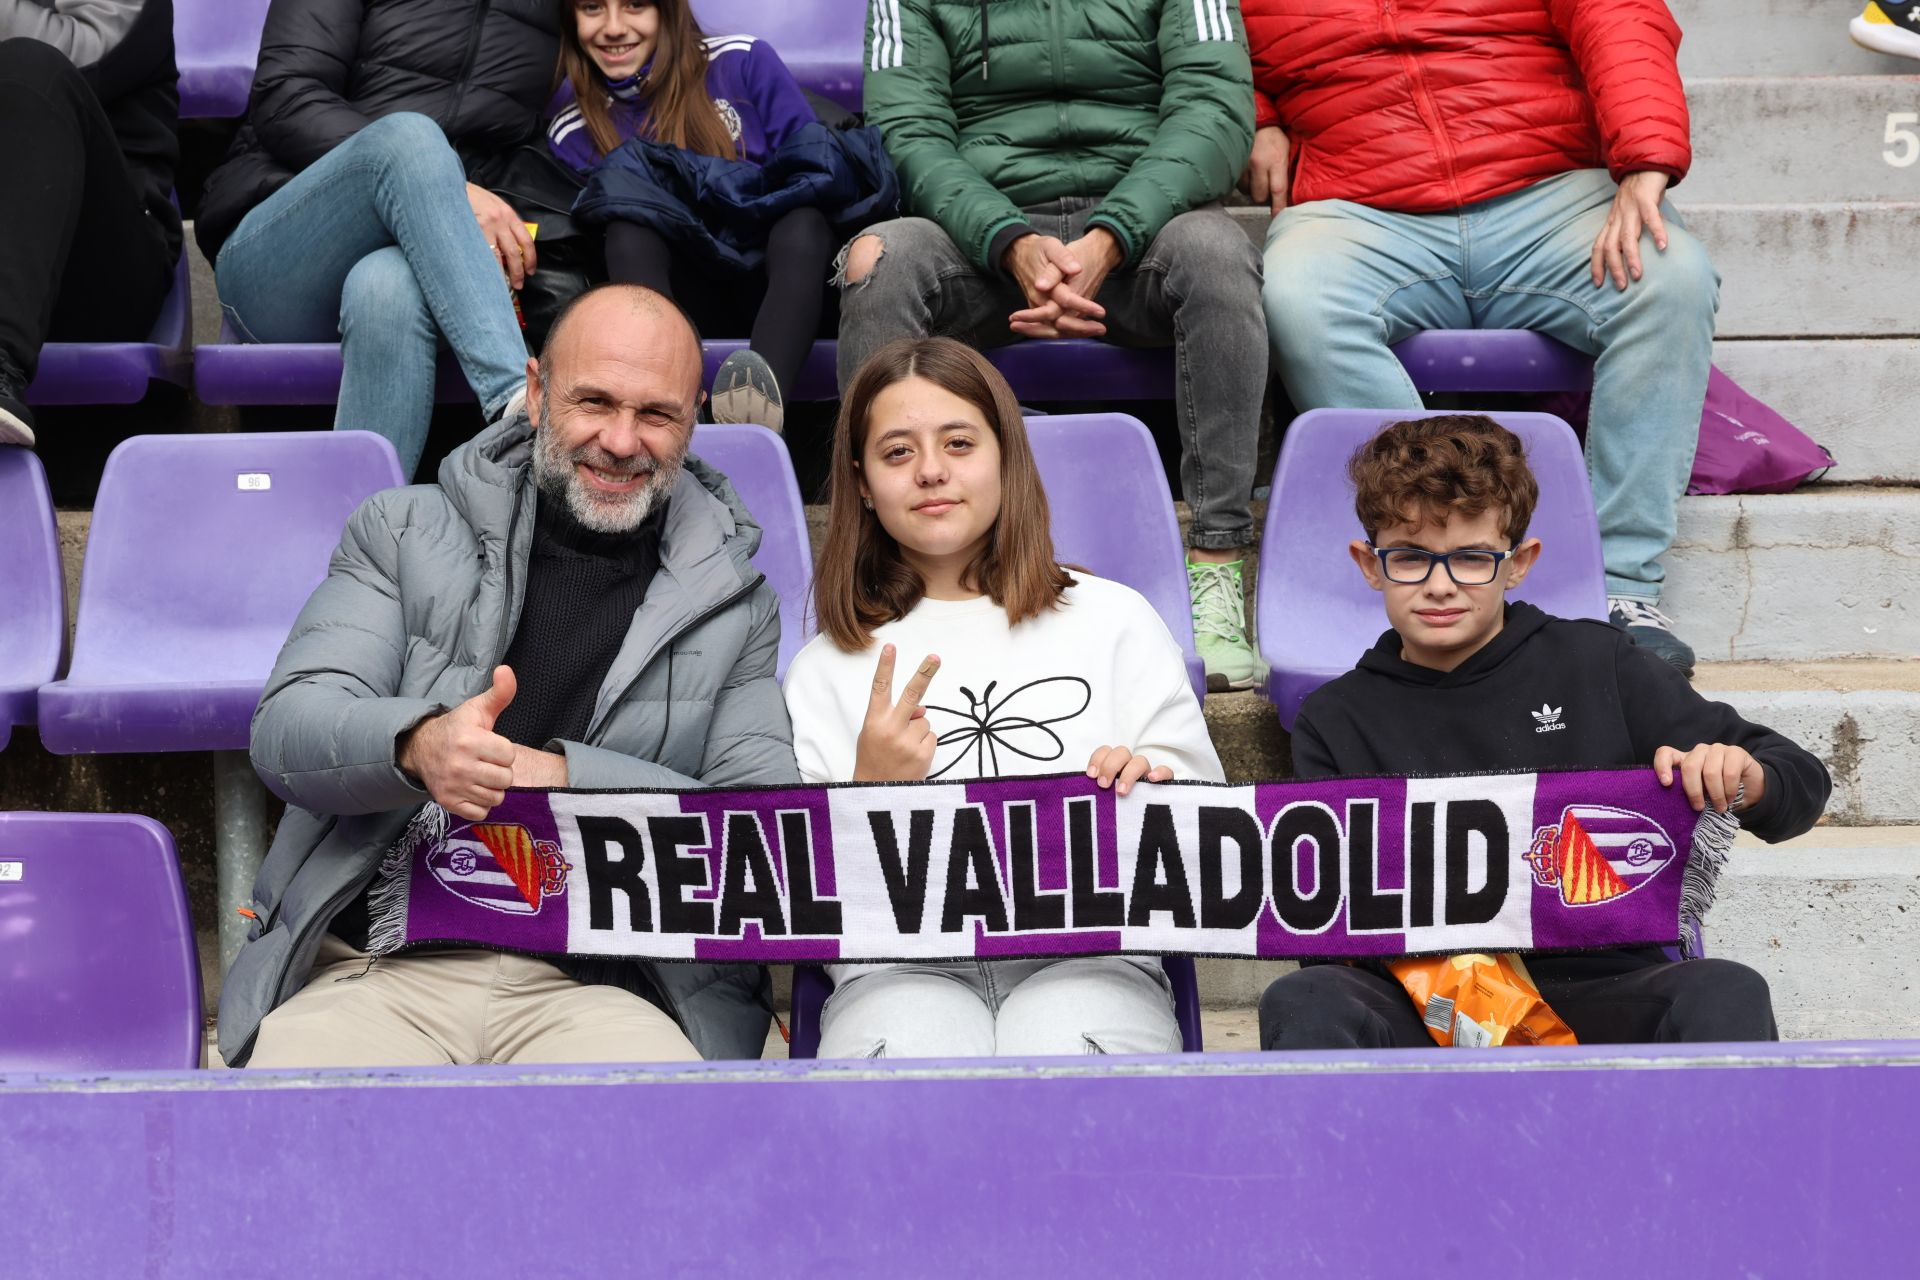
[1549, 718]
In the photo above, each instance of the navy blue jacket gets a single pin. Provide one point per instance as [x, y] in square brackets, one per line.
[720, 211]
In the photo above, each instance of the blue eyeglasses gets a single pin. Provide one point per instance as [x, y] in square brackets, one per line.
[1410, 565]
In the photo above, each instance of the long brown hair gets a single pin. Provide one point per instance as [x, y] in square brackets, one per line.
[862, 580]
[680, 112]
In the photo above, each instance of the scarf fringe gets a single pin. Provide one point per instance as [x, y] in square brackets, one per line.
[1712, 845]
[393, 882]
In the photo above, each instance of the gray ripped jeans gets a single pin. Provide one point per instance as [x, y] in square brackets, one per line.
[1197, 289]
[1013, 1008]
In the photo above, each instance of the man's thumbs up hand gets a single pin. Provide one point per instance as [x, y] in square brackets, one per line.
[458, 758]
[488, 704]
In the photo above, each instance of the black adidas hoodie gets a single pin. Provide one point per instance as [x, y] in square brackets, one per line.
[1545, 693]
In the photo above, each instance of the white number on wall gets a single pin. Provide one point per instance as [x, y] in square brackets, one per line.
[1903, 140]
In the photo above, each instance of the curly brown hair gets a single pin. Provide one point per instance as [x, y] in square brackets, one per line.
[1423, 469]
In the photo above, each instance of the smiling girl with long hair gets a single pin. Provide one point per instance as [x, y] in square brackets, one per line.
[643, 70]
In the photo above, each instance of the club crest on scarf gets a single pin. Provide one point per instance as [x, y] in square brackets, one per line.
[1597, 853]
[499, 866]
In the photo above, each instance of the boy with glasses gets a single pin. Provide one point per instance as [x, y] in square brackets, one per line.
[1466, 682]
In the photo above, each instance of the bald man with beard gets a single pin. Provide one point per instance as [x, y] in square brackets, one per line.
[526, 622]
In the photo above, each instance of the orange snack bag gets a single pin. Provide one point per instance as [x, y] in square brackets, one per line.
[533, 233]
[1474, 1000]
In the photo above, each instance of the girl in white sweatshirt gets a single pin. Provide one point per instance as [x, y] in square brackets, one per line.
[938, 551]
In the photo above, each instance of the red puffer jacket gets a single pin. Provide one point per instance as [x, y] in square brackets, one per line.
[1420, 105]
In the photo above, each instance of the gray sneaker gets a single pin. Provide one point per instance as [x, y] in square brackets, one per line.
[745, 390]
[1651, 629]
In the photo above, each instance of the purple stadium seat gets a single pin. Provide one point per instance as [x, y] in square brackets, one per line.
[821, 41]
[817, 380]
[234, 371]
[1066, 369]
[98, 970]
[1317, 615]
[811, 989]
[757, 463]
[203, 549]
[216, 43]
[1467, 360]
[1475, 360]
[118, 372]
[1116, 518]
[33, 622]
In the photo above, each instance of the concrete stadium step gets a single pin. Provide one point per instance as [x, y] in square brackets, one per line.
[1818, 139]
[1813, 270]
[1826, 572]
[1792, 271]
[1776, 38]
[1862, 718]
[1828, 919]
[1858, 397]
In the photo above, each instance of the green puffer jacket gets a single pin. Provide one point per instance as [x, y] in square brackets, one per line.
[991, 105]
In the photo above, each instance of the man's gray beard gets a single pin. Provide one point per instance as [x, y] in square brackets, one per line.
[553, 471]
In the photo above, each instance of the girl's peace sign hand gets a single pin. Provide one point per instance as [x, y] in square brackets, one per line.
[896, 742]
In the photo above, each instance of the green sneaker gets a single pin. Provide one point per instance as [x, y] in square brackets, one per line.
[1220, 625]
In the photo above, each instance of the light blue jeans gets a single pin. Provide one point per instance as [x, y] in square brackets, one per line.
[375, 244]
[1344, 282]
[1014, 1008]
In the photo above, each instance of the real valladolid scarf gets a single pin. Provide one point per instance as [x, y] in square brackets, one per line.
[1054, 866]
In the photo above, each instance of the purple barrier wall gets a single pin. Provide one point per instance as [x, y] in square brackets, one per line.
[1754, 1160]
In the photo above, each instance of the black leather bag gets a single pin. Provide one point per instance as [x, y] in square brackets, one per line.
[570, 256]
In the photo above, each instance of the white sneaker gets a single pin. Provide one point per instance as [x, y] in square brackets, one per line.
[1888, 26]
[16, 421]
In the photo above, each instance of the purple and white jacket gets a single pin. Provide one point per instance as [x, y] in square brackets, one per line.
[757, 97]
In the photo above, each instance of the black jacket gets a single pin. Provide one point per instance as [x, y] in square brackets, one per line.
[129, 65]
[1546, 693]
[481, 68]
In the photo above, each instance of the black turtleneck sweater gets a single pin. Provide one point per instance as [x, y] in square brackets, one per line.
[1545, 693]
[582, 591]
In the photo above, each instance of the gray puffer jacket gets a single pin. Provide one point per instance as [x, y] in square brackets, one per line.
[417, 609]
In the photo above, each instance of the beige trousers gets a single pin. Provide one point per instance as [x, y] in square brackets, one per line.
[435, 1008]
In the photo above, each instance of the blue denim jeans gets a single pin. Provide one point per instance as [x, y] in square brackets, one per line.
[1344, 282]
[375, 244]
